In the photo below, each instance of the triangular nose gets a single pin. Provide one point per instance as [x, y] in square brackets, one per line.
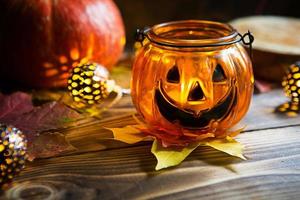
[196, 93]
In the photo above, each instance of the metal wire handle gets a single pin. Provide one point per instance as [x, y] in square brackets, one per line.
[249, 42]
[141, 34]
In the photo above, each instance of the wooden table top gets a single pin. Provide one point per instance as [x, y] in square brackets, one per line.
[113, 170]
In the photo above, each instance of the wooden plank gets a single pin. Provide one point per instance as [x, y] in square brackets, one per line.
[126, 171]
[272, 171]
[261, 113]
[89, 136]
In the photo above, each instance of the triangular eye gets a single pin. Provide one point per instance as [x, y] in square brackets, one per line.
[173, 75]
[219, 74]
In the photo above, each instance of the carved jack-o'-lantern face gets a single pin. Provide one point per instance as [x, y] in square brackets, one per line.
[192, 98]
[180, 87]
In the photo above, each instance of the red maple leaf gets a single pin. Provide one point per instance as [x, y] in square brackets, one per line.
[35, 122]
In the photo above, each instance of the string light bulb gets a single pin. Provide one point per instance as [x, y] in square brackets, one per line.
[291, 87]
[13, 153]
[89, 83]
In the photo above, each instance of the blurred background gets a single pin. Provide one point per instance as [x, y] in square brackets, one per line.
[40, 41]
[140, 13]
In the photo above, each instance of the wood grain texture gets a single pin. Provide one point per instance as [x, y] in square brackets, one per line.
[89, 136]
[121, 171]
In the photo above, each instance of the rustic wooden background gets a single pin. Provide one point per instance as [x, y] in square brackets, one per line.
[113, 170]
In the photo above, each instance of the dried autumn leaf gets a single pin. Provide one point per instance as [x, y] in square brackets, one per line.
[168, 157]
[52, 115]
[49, 145]
[128, 134]
[174, 155]
[227, 145]
[47, 117]
[17, 110]
[12, 106]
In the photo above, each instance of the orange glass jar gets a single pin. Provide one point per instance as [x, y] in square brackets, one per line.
[191, 78]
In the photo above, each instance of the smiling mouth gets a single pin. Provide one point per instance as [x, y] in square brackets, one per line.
[188, 119]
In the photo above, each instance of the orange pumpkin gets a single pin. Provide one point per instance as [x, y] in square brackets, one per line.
[41, 40]
[192, 78]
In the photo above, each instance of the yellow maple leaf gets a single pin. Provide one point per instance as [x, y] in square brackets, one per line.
[227, 145]
[172, 156]
[168, 157]
[128, 134]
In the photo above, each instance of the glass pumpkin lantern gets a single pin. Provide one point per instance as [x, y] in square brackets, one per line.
[191, 78]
